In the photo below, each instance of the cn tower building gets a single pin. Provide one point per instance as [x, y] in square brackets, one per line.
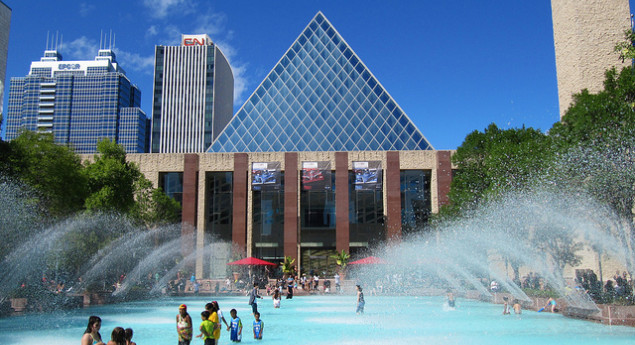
[193, 95]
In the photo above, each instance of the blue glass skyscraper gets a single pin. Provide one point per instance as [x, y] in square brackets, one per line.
[320, 97]
[79, 102]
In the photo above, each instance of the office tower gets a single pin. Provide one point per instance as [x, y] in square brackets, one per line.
[193, 95]
[79, 102]
[5, 25]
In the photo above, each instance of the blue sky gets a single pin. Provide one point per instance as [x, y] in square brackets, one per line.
[453, 66]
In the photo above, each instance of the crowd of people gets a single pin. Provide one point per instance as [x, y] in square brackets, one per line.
[212, 320]
[619, 288]
[210, 326]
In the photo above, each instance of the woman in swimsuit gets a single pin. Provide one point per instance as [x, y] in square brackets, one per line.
[91, 335]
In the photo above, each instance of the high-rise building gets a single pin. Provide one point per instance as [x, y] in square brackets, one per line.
[5, 25]
[193, 95]
[79, 102]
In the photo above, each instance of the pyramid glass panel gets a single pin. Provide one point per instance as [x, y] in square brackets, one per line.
[320, 97]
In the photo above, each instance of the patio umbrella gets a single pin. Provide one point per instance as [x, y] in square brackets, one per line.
[251, 261]
[371, 260]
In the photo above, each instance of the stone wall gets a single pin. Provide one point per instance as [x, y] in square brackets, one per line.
[584, 35]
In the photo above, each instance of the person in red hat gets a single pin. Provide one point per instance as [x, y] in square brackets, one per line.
[184, 325]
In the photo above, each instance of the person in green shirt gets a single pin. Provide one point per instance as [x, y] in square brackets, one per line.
[207, 329]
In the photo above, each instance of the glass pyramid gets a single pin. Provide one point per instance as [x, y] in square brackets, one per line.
[320, 97]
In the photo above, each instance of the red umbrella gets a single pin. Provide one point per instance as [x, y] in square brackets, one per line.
[251, 261]
[371, 260]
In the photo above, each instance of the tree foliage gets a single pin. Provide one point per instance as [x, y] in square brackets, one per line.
[341, 259]
[288, 267]
[625, 48]
[496, 161]
[53, 170]
[153, 207]
[111, 179]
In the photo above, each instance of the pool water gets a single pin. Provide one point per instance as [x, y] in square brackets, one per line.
[318, 320]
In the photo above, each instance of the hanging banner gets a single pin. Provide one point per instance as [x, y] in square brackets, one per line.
[316, 176]
[367, 175]
[265, 176]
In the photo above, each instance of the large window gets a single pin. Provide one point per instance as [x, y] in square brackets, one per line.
[219, 196]
[317, 216]
[172, 185]
[415, 199]
[268, 222]
[366, 215]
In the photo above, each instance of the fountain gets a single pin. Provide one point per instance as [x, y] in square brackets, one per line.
[540, 231]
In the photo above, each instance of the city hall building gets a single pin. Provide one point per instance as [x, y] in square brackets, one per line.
[319, 159]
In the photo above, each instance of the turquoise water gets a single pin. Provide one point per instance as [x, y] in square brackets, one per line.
[330, 320]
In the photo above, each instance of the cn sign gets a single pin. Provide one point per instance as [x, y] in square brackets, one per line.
[195, 40]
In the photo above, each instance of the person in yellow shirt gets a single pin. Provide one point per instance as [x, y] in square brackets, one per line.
[213, 310]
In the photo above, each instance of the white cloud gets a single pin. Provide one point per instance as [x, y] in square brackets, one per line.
[212, 24]
[84, 48]
[152, 31]
[161, 8]
[240, 83]
[136, 62]
[85, 9]
[239, 70]
[81, 48]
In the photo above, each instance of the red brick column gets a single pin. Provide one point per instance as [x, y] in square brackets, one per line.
[444, 176]
[342, 233]
[393, 197]
[190, 196]
[239, 215]
[291, 204]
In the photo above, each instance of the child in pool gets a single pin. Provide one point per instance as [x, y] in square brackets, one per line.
[259, 326]
[235, 327]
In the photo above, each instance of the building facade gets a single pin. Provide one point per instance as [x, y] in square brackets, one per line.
[79, 102]
[193, 95]
[5, 26]
[319, 159]
[230, 213]
[584, 35]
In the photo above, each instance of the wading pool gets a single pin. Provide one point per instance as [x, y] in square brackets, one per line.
[318, 320]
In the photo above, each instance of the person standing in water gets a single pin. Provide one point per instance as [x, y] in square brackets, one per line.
[252, 298]
[236, 327]
[184, 325]
[451, 300]
[91, 335]
[259, 326]
[517, 308]
[129, 334]
[360, 300]
[506, 306]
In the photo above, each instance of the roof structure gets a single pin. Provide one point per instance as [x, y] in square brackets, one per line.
[320, 97]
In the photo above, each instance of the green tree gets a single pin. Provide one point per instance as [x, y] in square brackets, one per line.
[625, 48]
[153, 208]
[288, 267]
[493, 162]
[112, 180]
[54, 171]
[596, 140]
[341, 259]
